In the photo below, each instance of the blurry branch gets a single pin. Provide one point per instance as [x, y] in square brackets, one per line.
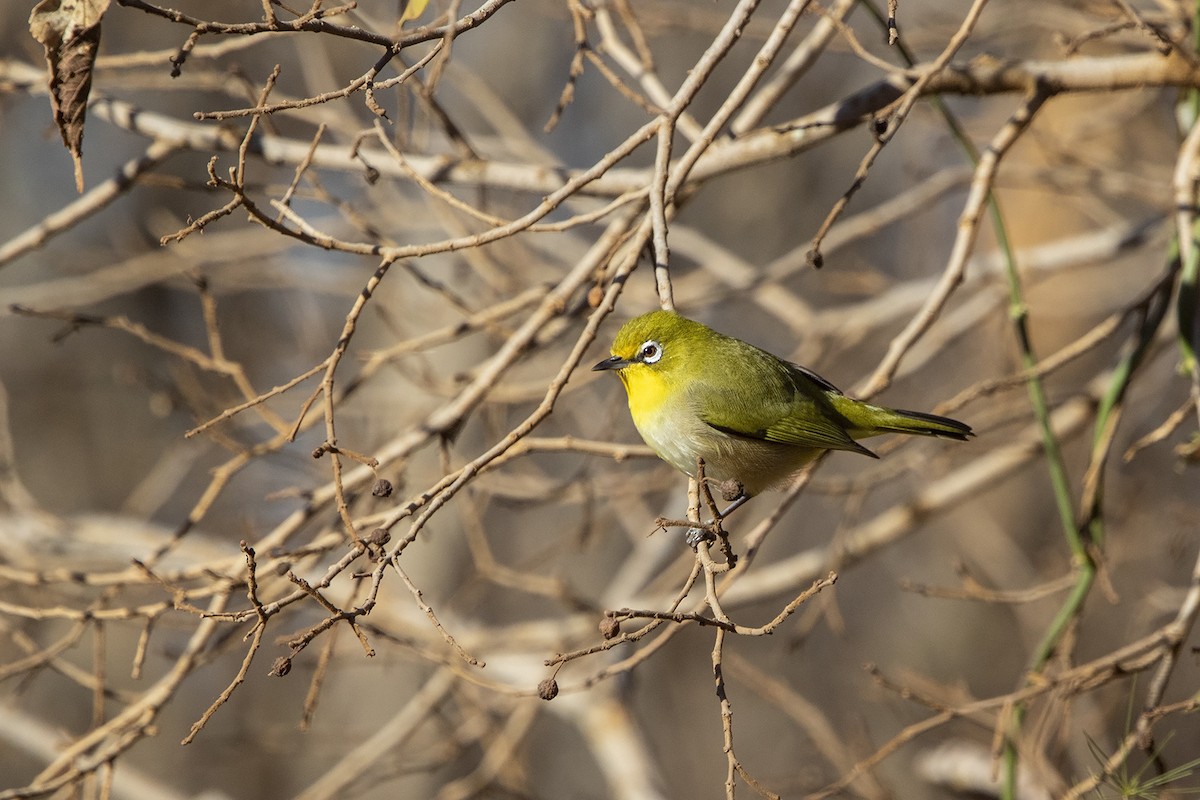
[255, 636]
[500, 750]
[1156, 648]
[308, 234]
[216, 362]
[238, 258]
[385, 741]
[378, 360]
[92, 201]
[890, 525]
[618, 742]
[316, 22]
[794, 67]
[330, 557]
[680, 172]
[142, 59]
[365, 83]
[809, 717]
[668, 179]
[964, 767]
[640, 67]
[972, 590]
[107, 742]
[491, 372]
[444, 419]
[1168, 427]
[14, 495]
[886, 129]
[856, 321]
[979, 77]
[490, 568]
[754, 147]
[964, 242]
[29, 734]
[1137, 740]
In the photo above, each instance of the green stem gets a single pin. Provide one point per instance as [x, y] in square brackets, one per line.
[1186, 307]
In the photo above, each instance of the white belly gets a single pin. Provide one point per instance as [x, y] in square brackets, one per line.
[755, 463]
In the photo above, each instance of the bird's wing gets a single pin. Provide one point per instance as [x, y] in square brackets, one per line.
[788, 407]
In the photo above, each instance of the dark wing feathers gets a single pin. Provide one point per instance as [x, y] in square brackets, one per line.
[815, 378]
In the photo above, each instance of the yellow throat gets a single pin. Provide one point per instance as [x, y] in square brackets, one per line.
[647, 391]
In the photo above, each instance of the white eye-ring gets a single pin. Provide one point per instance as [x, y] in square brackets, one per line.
[650, 352]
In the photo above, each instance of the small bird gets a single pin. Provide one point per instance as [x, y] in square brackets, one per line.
[755, 419]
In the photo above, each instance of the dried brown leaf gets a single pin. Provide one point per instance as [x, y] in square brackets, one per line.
[69, 30]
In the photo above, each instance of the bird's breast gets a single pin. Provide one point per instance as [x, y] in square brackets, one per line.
[668, 421]
[664, 417]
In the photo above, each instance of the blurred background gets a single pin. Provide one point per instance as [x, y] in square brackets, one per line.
[126, 601]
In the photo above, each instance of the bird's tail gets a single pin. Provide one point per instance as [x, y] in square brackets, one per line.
[895, 420]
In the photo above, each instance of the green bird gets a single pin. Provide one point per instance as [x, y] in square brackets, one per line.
[754, 418]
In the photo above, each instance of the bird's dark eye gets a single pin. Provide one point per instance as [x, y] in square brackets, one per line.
[650, 352]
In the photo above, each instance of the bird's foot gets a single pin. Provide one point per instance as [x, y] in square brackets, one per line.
[694, 536]
[708, 532]
[711, 533]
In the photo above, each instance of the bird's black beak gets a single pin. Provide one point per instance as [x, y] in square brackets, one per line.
[616, 362]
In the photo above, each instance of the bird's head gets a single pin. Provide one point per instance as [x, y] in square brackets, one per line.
[656, 344]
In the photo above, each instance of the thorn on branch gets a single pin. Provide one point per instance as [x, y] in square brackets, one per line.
[181, 55]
